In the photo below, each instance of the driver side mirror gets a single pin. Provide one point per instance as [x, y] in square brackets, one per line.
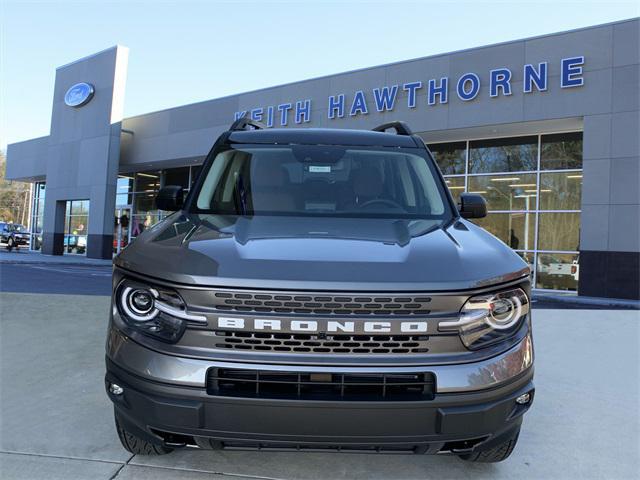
[170, 198]
[472, 205]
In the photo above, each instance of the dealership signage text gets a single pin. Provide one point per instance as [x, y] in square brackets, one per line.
[435, 91]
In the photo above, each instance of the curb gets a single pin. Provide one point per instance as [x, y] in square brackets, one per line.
[65, 264]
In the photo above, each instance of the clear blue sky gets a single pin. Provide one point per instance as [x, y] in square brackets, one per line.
[187, 51]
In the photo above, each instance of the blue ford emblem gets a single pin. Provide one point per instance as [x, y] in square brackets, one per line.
[79, 94]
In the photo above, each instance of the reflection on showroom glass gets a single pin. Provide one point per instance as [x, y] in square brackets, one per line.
[456, 187]
[515, 229]
[511, 154]
[560, 191]
[451, 157]
[561, 151]
[558, 271]
[506, 192]
[559, 231]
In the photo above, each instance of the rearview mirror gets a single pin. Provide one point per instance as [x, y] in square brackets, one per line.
[472, 205]
[170, 198]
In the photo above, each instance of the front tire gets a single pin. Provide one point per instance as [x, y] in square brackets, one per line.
[495, 454]
[10, 244]
[137, 445]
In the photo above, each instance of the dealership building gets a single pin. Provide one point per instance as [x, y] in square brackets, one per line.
[545, 128]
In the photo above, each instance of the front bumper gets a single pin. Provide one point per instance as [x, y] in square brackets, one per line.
[474, 406]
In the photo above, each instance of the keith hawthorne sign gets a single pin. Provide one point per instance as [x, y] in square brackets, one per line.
[435, 91]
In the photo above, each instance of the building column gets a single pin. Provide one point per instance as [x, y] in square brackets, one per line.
[53, 227]
[610, 224]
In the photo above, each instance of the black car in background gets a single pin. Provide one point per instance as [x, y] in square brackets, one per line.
[13, 235]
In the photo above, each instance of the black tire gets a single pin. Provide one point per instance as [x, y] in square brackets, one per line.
[10, 244]
[498, 453]
[137, 445]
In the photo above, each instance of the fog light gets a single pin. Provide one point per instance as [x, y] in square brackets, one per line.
[523, 399]
[116, 389]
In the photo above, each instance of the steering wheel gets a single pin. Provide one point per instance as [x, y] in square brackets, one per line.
[384, 201]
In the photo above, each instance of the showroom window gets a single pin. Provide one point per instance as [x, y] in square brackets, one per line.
[135, 199]
[516, 154]
[76, 225]
[451, 157]
[37, 215]
[145, 213]
[533, 189]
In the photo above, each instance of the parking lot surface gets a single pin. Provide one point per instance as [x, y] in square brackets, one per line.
[56, 421]
[51, 278]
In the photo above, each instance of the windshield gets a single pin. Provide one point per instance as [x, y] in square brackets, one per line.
[334, 181]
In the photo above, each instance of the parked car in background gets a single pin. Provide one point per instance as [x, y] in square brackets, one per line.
[13, 235]
[558, 274]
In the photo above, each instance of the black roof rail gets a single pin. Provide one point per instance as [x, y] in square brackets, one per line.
[243, 122]
[401, 128]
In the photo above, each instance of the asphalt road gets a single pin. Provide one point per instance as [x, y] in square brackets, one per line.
[63, 279]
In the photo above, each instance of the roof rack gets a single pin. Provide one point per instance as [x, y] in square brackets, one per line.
[401, 128]
[243, 122]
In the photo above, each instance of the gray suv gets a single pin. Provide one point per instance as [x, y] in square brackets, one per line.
[319, 289]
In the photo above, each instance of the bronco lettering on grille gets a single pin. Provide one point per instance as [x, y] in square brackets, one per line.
[319, 326]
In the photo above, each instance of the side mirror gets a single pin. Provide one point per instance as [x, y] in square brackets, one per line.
[472, 205]
[170, 198]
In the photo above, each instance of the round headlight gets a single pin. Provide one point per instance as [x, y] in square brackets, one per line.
[504, 311]
[141, 301]
[138, 304]
[490, 318]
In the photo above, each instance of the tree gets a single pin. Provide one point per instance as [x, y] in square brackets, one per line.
[14, 197]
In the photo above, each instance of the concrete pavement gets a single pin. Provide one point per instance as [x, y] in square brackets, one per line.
[56, 421]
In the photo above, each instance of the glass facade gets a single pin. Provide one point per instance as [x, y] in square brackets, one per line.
[37, 215]
[135, 200]
[137, 191]
[76, 225]
[533, 188]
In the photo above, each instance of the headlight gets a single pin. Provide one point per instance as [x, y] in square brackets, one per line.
[158, 312]
[488, 319]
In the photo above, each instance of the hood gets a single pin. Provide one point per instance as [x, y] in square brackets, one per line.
[321, 253]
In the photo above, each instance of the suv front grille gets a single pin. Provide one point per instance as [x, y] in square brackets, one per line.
[320, 304]
[335, 344]
[229, 382]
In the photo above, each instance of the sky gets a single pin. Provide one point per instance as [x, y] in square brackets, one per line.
[188, 51]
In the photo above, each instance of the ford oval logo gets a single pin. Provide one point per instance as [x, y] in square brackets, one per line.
[79, 94]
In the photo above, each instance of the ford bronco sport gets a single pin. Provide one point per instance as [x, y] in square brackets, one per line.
[319, 289]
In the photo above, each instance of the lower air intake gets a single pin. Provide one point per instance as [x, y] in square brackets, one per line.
[228, 382]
